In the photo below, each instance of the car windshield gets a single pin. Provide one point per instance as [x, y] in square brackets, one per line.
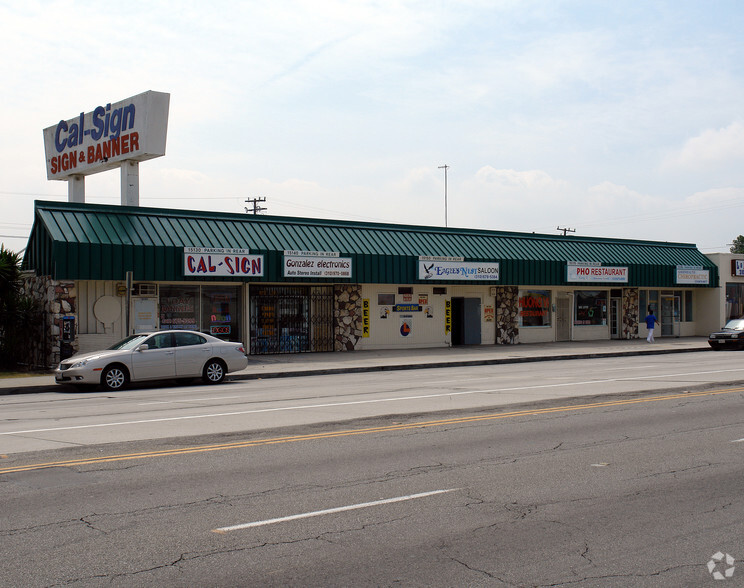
[735, 325]
[130, 342]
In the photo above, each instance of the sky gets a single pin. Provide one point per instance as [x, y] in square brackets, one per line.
[612, 119]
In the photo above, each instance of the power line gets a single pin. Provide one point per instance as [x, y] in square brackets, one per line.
[256, 207]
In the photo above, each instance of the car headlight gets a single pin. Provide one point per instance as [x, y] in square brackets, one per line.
[79, 364]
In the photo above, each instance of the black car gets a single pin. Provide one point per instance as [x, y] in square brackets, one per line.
[732, 335]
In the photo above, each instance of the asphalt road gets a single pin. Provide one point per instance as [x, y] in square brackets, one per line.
[67, 418]
[640, 487]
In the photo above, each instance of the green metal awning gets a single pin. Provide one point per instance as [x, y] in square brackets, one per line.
[74, 241]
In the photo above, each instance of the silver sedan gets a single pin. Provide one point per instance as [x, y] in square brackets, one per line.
[159, 355]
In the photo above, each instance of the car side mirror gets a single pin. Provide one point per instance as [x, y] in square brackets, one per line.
[143, 347]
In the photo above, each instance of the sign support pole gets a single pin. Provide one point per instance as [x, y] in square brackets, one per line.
[76, 189]
[130, 183]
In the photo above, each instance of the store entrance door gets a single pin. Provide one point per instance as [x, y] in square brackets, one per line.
[563, 318]
[466, 324]
[670, 315]
[291, 319]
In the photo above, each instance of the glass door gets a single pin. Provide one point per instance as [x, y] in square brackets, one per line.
[669, 319]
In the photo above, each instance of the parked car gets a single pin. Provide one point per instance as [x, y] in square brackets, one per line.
[158, 355]
[732, 335]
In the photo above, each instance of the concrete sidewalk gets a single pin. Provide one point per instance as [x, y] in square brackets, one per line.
[308, 364]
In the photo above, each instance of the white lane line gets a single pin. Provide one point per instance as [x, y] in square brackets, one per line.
[317, 513]
[187, 400]
[737, 441]
[358, 402]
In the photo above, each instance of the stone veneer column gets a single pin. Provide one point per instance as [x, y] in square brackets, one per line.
[347, 313]
[507, 313]
[57, 300]
[630, 313]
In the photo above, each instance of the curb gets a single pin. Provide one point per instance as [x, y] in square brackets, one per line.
[389, 368]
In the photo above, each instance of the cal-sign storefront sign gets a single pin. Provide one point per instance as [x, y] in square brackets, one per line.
[211, 261]
[596, 273]
[693, 275]
[458, 270]
[316, 264]
[92, 142]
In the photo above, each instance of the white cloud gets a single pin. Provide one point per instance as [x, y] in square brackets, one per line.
[710, 150]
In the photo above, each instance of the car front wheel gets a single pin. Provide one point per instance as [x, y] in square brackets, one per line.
[214, 372]
[114, 378]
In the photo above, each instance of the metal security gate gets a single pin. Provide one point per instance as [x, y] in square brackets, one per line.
[291, 319]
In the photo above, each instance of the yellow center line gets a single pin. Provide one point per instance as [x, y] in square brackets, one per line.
[365, 431]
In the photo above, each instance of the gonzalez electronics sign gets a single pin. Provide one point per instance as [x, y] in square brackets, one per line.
[211, 261]
[133, 129]
[316, 264]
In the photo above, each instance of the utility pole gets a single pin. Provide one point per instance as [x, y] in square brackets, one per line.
[445, 167]
[566, 230]
[256, 207]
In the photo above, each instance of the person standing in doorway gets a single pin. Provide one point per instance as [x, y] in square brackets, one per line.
[651, 322]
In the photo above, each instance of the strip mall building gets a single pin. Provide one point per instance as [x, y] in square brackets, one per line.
[292, 285]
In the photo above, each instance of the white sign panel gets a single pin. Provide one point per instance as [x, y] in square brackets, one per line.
[297, 253]
[594, 273]
[133, 129]
[459, 270]
[301, 266]
[737, 265]
[693, 276]
[208, 262]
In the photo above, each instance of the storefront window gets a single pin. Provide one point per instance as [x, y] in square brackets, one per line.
[209, 309]
[688, 306]
[179, 307]
[534, 308]
[591, 307]
[734, 301]
[281, 320]
[220, 311]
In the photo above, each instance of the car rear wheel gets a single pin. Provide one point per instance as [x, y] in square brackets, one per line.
[114, 377]
[214, 372]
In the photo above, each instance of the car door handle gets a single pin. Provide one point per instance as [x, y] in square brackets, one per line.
[169, 352]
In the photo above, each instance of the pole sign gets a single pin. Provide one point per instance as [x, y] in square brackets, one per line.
[132, 129]
[212, 261]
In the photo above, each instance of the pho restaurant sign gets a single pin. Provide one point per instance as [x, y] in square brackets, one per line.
[594, 273]
[91, 142]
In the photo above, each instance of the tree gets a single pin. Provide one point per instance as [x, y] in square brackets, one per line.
[20, 316]
[738, 245]
[10, 278]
